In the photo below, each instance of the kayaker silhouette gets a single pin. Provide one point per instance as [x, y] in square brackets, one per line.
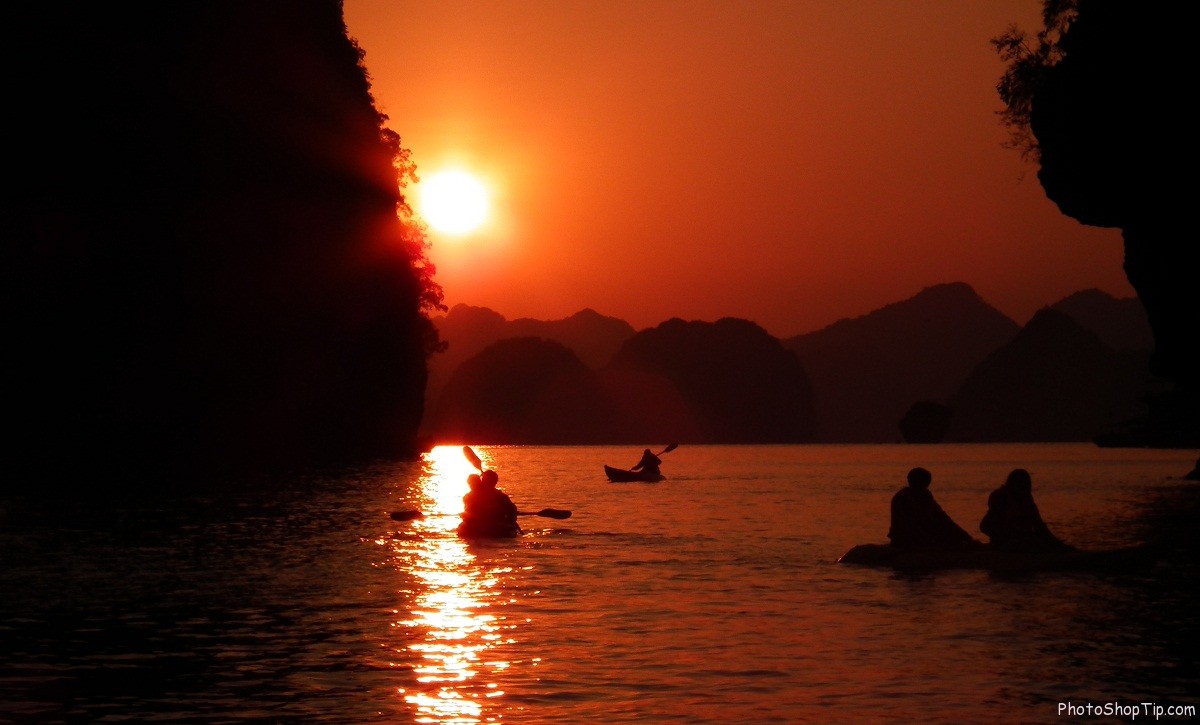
[649, 464]
[488, 512]
[918, 522]
[1013, 522]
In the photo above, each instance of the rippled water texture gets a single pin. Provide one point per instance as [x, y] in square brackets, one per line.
[713, 596]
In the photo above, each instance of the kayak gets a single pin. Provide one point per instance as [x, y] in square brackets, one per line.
[466, 530]
[1132, 558]
[620, 475]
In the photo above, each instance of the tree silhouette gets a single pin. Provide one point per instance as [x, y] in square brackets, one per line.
[211, 264]
[1028, 59]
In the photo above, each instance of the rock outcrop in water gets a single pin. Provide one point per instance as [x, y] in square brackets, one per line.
[205, 272]
[926, 421]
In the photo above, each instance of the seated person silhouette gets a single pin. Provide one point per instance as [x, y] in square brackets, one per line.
[649, 464]
[918, 522]
[1013, 522]
[488, 512]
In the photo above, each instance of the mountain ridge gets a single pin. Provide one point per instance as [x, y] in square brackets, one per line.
[865, 377]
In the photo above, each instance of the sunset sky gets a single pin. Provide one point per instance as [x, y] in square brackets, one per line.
[792, 163]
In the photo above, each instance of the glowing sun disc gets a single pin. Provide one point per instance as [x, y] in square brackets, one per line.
[453, 202]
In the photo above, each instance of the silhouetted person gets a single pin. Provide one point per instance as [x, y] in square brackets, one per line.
[472, 500]
[1194, 475]
[649, 464]
[918, 522]
[1013, 522]
[488, 512]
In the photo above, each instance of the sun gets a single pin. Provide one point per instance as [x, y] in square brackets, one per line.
[453, 202]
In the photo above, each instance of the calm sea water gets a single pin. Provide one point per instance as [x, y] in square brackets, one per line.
[711, 597]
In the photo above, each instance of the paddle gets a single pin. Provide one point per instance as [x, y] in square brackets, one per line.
[410, 514]
[474, 459]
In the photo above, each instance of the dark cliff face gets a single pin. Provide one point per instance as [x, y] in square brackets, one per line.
[1086, 107]
[1112, 146]
[208, 274]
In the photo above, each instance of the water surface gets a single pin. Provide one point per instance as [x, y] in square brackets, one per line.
[713, 596]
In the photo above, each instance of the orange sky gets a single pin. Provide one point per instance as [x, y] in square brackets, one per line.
[791, 163]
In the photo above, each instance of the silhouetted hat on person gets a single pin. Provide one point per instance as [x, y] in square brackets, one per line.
[490, 478]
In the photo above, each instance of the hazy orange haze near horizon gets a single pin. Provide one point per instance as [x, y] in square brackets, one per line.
[792, 163]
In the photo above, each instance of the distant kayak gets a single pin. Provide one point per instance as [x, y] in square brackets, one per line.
[621, 475]
[882, 555]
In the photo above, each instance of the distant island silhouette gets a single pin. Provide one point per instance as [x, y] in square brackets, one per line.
[736, 382]
[700, 382]
[1056, 381]
[867, 371]
[523, 390]
[942, 365]
[593, 337]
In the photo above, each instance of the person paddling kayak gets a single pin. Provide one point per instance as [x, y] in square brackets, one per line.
[488, 512]
[649, 464]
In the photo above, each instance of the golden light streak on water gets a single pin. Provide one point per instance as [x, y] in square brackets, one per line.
[453, 609]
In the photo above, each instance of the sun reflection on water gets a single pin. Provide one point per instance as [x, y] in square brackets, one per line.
[454, 625]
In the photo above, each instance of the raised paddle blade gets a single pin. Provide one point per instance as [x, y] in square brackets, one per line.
[474, 459]
[407, 515]
[669, 448]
